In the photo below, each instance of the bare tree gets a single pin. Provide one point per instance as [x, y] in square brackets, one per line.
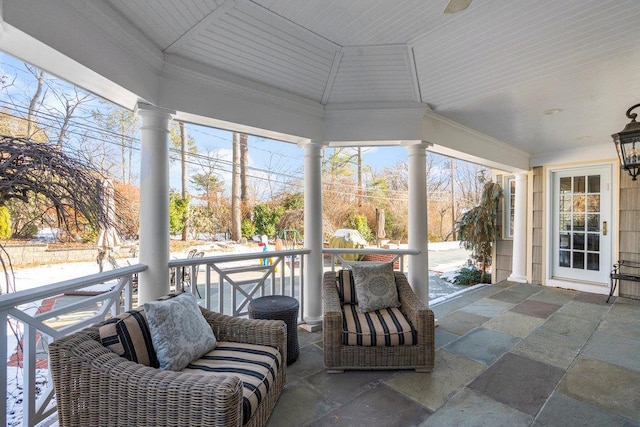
[69, 104]
[34, 99]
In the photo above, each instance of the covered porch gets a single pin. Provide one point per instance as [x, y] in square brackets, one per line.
[510, 354]
[501, 85]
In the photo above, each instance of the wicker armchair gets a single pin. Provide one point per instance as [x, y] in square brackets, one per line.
[96, 387]
[338, 356]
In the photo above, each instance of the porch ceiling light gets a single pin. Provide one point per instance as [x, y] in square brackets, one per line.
[626, 141]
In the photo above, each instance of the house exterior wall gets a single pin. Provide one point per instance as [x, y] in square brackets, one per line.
[538, 232]
[629, 229]
[503, 259]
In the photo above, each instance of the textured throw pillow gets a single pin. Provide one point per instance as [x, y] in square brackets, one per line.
[375, 286]
[179, 331]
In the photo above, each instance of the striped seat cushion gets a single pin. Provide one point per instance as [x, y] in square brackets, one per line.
[385, 327]
[256, 365]
[128, 335]
[346, 287]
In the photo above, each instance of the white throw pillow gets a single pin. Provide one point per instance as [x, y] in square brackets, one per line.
[375, 286]
[179, 331]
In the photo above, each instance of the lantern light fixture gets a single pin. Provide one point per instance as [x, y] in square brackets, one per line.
[628, 145]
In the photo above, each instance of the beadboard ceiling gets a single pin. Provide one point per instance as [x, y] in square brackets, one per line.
[498, 67]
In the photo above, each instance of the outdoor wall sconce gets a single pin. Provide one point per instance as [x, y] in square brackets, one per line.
[626, 141]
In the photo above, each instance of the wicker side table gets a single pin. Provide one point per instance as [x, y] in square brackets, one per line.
[279, 307]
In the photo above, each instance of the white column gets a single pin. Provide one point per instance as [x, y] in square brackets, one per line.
[519, 261]
[418, 237]
[313, 267]
[154, 202]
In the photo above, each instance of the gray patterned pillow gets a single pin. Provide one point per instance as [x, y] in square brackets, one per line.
[375, 286]
[179, 331]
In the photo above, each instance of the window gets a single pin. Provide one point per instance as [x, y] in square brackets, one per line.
[509, 206]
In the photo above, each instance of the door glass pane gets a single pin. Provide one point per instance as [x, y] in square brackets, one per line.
[578, 203]
[578, 222]
[565, 260]
[578, 184]
[593, 222]
[593, 203]
[578, 260]
[594, 183]
[565, 243]
[565, 203]
[565, 185]
[593, 242]
[593, 261]
[565, 222]
[578, 241]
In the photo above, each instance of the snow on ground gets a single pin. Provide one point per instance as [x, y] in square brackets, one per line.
[444, 259]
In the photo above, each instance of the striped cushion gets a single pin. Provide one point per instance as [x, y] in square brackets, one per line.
[255, 365]
[385, 327]
[128, 335]
[346, 287]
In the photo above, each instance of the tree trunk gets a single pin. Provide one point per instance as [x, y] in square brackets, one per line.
[32, 105]
[236, 231]
[183, 176]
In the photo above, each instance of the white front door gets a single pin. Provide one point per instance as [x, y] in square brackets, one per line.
[581, 229]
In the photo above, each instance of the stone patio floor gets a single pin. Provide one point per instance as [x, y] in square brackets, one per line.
[509, 354]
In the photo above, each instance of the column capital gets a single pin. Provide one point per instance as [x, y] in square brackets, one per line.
[416, 144]
[143, 107]
[313, 143]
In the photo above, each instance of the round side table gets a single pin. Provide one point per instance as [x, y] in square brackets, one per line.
[279, 307]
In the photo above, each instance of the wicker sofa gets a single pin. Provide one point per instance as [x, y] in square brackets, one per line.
[96, 387]
[340, 355]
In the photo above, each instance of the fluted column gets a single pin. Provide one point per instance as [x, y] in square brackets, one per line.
[154, 202]
[313, 270]
[519, 260]
[418, 236]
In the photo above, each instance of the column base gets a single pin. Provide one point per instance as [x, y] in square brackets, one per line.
[311, 328]
[517, 278]
[311, 324]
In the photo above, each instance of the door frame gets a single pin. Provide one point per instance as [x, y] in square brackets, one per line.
[548, 226]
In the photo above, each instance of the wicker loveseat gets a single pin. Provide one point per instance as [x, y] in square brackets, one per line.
[345, 349]
[94, 386]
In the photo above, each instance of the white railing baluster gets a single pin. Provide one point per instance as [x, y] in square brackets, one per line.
[36, 332]
[4, 353]
[29, 375]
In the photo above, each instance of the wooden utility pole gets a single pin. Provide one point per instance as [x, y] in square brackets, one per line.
[244, 180]
[236, 216]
